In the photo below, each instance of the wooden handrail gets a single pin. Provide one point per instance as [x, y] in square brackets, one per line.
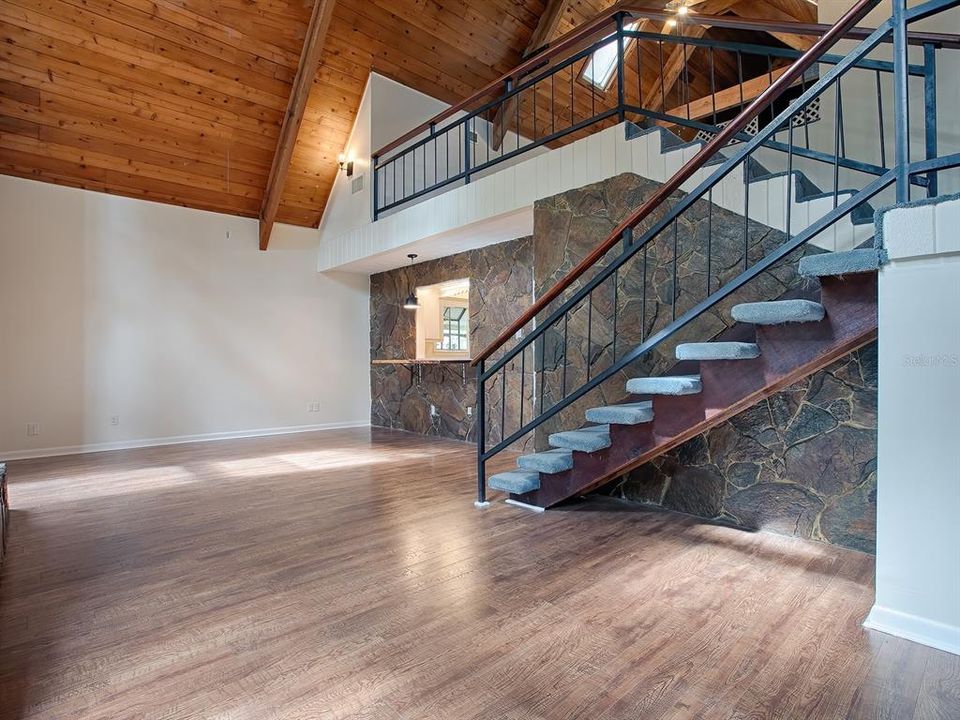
[576, 36]
[794, 72]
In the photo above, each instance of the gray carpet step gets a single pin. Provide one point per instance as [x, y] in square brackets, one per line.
[626, 414]
[666, 385]
[515, 481]
[778, 312]
[841, 263]
[717, 351]
[549, 461]
[589, 439]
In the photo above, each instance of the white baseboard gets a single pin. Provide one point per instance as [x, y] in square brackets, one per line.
[912, 627]
[174, 440]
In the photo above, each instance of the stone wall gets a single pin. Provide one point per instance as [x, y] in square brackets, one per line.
[802, 462]
[501, 281]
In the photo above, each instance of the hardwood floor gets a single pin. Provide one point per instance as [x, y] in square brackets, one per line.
[347, 574]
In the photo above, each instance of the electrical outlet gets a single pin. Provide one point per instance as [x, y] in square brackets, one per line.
[114, 419]
[314, 407]
[33, 429]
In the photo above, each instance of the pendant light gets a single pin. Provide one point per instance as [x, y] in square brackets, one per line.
[411, 302]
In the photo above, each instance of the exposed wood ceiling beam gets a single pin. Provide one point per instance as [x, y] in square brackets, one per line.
[756, 10]
[725, 99]
[679, 57]
[306, 72]
[673, 67]
[545, 31]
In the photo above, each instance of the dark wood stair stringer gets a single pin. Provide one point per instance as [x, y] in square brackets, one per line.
[788, 354]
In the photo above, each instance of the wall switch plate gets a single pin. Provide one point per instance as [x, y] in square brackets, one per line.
[469, 410]
[33, 429]
[433, 411]
[114, 419]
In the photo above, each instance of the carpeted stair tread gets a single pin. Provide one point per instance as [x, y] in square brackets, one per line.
[778, 312]
[625, 414]
[588, 439]
[548, 461]
[841, 263]
[717, 351]
[515, 481]
[666, 385]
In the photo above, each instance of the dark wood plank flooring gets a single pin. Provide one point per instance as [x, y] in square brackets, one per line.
[346, 574]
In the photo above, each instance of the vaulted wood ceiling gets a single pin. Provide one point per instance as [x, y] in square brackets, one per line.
[181, 101]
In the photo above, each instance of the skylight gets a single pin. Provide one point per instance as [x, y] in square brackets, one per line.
[603, 63]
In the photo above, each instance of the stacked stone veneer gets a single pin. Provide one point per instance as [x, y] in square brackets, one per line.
[501, 287]
[802, 462]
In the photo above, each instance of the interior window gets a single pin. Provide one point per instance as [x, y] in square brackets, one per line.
[456, 329]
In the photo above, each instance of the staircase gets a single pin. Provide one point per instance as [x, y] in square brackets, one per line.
[790, 340]
[772, 343]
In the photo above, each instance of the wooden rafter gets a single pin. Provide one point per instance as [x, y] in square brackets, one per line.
[545, 31]
[725, 99]
[766, 11]
[292, 119]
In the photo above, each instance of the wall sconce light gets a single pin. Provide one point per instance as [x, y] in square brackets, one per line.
[345, 165]
[411, 302]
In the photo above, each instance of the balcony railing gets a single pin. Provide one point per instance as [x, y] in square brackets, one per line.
[549, 100]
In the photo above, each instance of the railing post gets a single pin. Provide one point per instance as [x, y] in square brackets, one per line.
[374, 185]
[621, 101]
[466, 150]
[901, 103]
[930, 111]
[481, 439]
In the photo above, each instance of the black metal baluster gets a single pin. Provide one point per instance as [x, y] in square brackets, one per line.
[543, 370]
[709, 235]
[676, 252]
[503, 403]
[563, 386]
[571, 97]
[836, 146]
[686, 80]
[773, 112]
[553, 104]
[481, 437]
[534, 112]
[740, 76]
[516, 128]
[713, 87]
[523, 378]
[746, 212]
[589, 333]
[790, 191]
[643, 299]
[616, 306]
[883, 138]
[806, 124]
[663, 92]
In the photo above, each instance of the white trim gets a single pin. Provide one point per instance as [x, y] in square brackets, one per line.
[174, 440]
[524, 505]
[913, 627]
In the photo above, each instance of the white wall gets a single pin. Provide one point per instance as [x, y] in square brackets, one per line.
[117, 307]
[918, 463]
[388, 110]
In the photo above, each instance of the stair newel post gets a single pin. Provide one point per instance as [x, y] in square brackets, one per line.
[901, 104]
[930, 111]
[481, 439]
[621, 101]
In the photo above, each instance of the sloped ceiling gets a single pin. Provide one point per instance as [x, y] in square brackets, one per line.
[181, 101]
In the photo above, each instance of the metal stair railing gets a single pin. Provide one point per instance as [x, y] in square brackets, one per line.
[662, 211]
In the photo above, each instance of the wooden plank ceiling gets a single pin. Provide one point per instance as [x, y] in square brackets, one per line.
[181, 101]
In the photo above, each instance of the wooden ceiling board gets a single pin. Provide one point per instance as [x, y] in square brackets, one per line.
[181, 101]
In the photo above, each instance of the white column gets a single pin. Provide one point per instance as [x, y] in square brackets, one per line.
[918, 466]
